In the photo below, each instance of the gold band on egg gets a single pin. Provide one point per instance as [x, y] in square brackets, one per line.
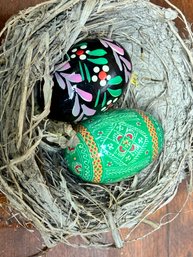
[152, 132]
[93, 149]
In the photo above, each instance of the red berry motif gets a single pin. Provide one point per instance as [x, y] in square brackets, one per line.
[102, 75]
[80, 52]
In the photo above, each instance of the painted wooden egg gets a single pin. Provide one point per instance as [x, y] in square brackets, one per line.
[91, 81]
[115, 145]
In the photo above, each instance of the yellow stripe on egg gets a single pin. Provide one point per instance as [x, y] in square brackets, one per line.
[152, 132]
[93, 149]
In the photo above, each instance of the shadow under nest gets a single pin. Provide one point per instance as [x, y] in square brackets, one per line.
[34, 177]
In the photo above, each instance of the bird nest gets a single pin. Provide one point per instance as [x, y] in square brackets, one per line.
[33, 175]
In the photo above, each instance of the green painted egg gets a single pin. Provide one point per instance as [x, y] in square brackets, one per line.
[115, 145]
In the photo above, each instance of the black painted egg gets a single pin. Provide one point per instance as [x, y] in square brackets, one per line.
[93, 76]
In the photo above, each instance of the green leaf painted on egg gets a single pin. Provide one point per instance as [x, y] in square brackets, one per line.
[115, 81]
[115, 92]
[97, 52]
[80, 44]
[104, 99]
[87, 73]
[81, 71]
[97, 99]
[98, 61]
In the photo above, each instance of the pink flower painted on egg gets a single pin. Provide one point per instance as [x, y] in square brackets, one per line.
[118, 53]
[64, 80]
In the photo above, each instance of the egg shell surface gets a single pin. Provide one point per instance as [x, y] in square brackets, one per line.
[115, 145]
[91, 79]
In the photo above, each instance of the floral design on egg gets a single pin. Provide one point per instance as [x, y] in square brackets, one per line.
[92, 77]
[74, 92]
[101, 75]
[113, 147]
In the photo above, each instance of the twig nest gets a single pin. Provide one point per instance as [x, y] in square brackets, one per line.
[34, 176]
